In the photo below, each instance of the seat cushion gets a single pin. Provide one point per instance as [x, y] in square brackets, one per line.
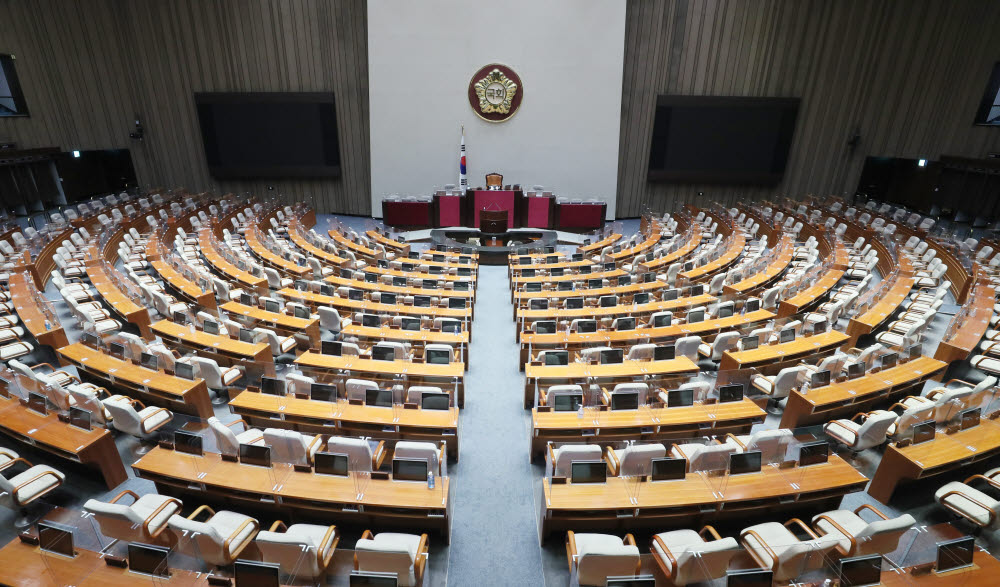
[846, 519]
[392, 542]
[961, 501]
[147, 504]
[845, 431]
[46, 479]
[159, 418]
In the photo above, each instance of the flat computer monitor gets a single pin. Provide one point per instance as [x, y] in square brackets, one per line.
[36, 403]
[382, 264]
[625, 323]
[574, 303]
[409, 323]
[398, 281]
[430, 283]
[422, 301]
[679, 398]
[608, 301]
[373, 579]
[861, 571]
[456, 303]
[567, 402]
[915, 351]
[331, 463]
[272, 386]
[189, 443]
[371, 277]
[383, 353]
[327, 289]
[465, 271]
[538, 304]
[549, 250]
[148, 559]
[557, 272]
[595, 283]
[533, 287]
[387, 298]
[355, 295]
[323, 392]
[589, 472]
[180, 318]
[955, 554]
[435, 400]
[923, 432]
[371, 320]
[695, 316]
[255, 454]
[378, 397]
[696, 290]
[969, 418]
[303, 312]
[819, 327]
[90, 339]
[671, 294]
[56, 538]
[586, 326]
[527, 273]
[301, 284]
[744, 462]
[814, 453]
[576, 257]
[434, 270]
[409, 470]
[557, 357]
[523, 260]
[624, 280]
[586, 269]
[116, 349]
[255, 574]
[246, 335]
[749, 343]
[210, 326]
[750, 578]
[246, 299]
[79, 418]
[725, 312]
[751, 305]
[855, 370]
[631, 581]
[662, 320]
[648, 277]
[664, 352]
[640, 298]
[438, 258]
[437, 356]
[625, 400]
[272, 306]
[609, 266]
[545, 327]
[786, 335]
[819, 379]
[612, 356]
[668, 469]
[452, 327]
[184, 370]
[565, 286]
[889, 360]
[331, 347]
[732, 392]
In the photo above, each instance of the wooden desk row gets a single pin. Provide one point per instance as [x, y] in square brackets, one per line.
[733, 252]
[387, 242]
[771, 358]
[282, 265]
[969, 326]
[607, 241]
[46, 329]
[780, 261]
[177, 282]
[232, 273]
[348, 307]
[122, 304]
[526, 316]
[537, 376]
[418, 338]
[283, 324]
[224, 350]
[670, 258]
[295, 230]
[887, 304]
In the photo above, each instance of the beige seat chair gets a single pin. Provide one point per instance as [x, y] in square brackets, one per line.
[634, 459]
[595, 557]
[143, 520]
[292, 447]
[863, 431]
[686, 557]
[87, 396]
[433, 454]
[362, 456]
[279, 344]
[560, 460]
[218, 540]
[687, 346]
[400, 351]
[358, 388]
[229, 442]
[548, 395]
[215, 377]
[779, 386]
[704, 457]
[302, 550]
[142, 423]
[297, 383]
[773, 546]
[391, 552]
[25, 488]
[772, 444]
[974, 505]
[856, 537]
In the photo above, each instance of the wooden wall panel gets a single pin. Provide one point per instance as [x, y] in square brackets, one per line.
[88, 67]
[907, 74]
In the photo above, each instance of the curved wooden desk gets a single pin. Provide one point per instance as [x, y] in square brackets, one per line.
[534, 374]
[226, 351]
[280, 323]
[122, 304]
[771, 358]
[231, 272]
[347, 306]
[46, 328]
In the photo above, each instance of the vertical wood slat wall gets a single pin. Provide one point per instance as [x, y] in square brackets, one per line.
[87, 68]
[907, 74]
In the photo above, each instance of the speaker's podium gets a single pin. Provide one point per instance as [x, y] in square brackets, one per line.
[493, 221]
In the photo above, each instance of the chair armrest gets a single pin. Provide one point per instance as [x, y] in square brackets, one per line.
[802, 525]
[872, 509]
[17, 500]
[962, 381]
[570, 549]
[135, 497]
[149, 519]
[239, 547]
[993, 514]
[612, 460]
[711, 532]
[666, 552]
[736, 440]
[850, 537]
[152, 415]
[201, 508]
[239, 421]
[309, 449]
[863, 417]
[278, 525]
[327, 545]
[774, 557]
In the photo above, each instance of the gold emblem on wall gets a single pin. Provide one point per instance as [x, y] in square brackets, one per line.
[495, 92]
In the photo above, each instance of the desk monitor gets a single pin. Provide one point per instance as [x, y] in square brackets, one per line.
[387, 298]
[648, 277]
[609, 266]
[668, 469]
[915, 351]
[595, 283]
[589, 472]
[695, 316]
[923, 431]
[272, 386]
[438, 258]
[557, 272]
[241, 265]
[430, 283]
[398, 281]
[323, 392]
[383, 353]
[855, 370]
[210, 326]
[527, 273]
[612, 356]
[189, 443]
[725, 312]
[456, 303]
[814, 453]
[576, 257]
[347, 273]
[625, 400]
[679, 398]
[378, 397]
[371, 321]
[79, 418]
[586, 269]
[150, 361]
[641, 298]
[246, 335]
[662, 320]
[819, 379]
[272, 306]
[327, 289]
[565, 286]
[56, 538]
[371, 277]
[465, 271]
[696, 290]
[331, 463]
[616, 249]
[609, 301]
[437, 356]
[730, 393]
[586, 326]
[575, 303]
[255, 454]
[331, 347]
[786, 335]
[147, 559]
[184, 370]
[631, 581]
[820, 327]
[435, 400]
[523, 260]
[91, 340]
[557, 357]
[744, 462]
[373, 579]
[409, 470]
[303, 312]
[625, 323]
[301, 284]
[116, 349]
[36, 402]
[538, 304]
[355, 295]
[255, 574]
[624, 280]
[422, 301]
[549, 250]
[671, 294]
[452, 327]
[406, 323]
[955, 554]
[533, 287]
[246, 299]
[969, 418]
[180, 318]
[861, 571]
[545, 327]
[664, 352]
[751, 305]
[749, 343]
[435, 270]
[382, 264]
[889, 360]
[567, 402]
[750, 578]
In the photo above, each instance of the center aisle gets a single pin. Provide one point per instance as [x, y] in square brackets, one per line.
[494, 530]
